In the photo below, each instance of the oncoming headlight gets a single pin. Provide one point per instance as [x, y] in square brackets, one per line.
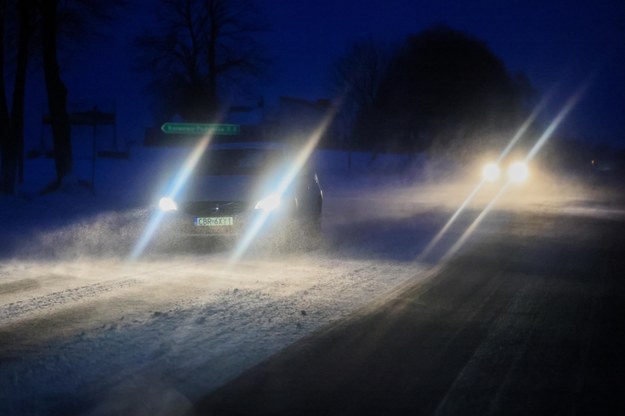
[490, 172]
[269, 203]
[518, 172]
[167, 204]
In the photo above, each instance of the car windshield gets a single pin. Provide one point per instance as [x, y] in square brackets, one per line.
[237, 161]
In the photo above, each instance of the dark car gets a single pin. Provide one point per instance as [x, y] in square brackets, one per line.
[254, 190]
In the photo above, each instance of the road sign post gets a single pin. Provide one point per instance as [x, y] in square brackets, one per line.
[201, 128]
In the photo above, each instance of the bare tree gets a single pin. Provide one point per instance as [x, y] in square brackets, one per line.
[8, 171]
[12, 120]
[205, 49]
[57, 92]
[27, 28]
[66, 21]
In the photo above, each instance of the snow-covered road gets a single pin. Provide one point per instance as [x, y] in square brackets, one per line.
[85, 330]
[78, 330]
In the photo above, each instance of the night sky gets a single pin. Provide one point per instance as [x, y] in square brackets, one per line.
[555, 43]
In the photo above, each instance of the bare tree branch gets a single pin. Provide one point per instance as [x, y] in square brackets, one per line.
[206, 49]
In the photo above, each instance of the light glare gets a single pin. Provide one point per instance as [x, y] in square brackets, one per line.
[298, 163]
[180, 180]
[520, 167]
[490, 172]
[522, 130]
[269, 203]
[518, 172]
[167, 204]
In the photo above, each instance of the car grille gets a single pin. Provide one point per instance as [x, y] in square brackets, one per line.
[214, 208]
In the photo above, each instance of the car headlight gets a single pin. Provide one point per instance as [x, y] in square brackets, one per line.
[269, 203]
[518, 172]
[167, 204]
[490, 172]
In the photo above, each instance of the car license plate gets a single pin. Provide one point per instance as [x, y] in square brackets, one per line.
[214, 221]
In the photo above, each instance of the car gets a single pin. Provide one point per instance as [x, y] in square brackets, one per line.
[254, 189]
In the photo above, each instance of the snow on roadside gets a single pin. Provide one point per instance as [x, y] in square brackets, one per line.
[192, 329]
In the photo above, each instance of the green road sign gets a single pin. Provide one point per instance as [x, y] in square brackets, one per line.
[201, 128]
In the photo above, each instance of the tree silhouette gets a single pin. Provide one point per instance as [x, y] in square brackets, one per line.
[57, 92]
[12, 119]
[65, 21]
[444, 91]
[27, 28]
[204, 49]
[355, 78]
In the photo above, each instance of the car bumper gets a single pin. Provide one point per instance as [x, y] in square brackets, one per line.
[183, 224]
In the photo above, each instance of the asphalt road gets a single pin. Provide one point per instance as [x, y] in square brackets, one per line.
[530, 320]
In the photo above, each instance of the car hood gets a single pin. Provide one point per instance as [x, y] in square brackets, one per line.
[226, 188]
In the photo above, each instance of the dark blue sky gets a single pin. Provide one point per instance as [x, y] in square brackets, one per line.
[552, 42]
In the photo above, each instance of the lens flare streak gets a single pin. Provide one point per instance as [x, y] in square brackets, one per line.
[523, 129]
[449, 223]
[520, 132]
[287, 179]
[569, 105]
[463, 238]
[181, 178]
